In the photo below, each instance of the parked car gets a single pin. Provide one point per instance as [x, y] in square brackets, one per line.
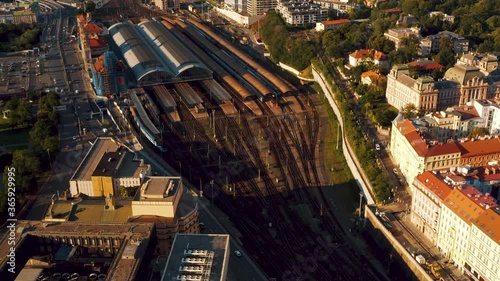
[395, 171]
[377, 146]
[238, 253]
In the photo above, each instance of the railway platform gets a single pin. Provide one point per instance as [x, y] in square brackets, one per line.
[174, 116]
[228, 108]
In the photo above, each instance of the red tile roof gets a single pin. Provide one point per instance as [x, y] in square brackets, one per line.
[465, 205]
[369, 52]
[81, 19]
[434, 184]
[393, 10]
[443, 149]
[467, 149]
[93, 28]
[99, 65]
[426, 66]
[334, 22]
[97, 42]
[480, 147]
[489, 223]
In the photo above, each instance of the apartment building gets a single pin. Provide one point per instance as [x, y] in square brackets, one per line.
[483, 255]
[489, 111]
[414, 151]
[260, 7]
[342, 7]
[461, 209]
[301, 12]
[369, 55]
[427, 199]
[397, 34]
[430, 43]
[453, 123]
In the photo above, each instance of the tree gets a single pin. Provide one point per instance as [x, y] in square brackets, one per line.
[409, 111]
[127, 191]
[89, 7]
[445, 56]
[27, 168]
[23, 114]
[478, 132]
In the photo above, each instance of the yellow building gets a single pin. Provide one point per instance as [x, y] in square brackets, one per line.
[483, 256]
[106, 169]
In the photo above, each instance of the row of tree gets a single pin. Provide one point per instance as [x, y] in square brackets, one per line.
[28, 163]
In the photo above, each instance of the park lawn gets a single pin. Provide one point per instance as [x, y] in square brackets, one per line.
[4, 124]
[16, 136]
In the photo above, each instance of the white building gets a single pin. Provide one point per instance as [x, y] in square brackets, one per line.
[483, 255]
[397, 34]
[331, 24]
[489, 111]
[301, 12]
[427, 198]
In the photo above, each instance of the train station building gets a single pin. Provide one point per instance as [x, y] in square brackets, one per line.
[154, 55]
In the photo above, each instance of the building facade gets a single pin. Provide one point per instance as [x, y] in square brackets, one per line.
[427, 199]
[260, 7]
[461, 86]
[460, 211]
[483, 255]
[397, 34]
[430, 44]
[369, 55]
[331, 25]
[414, 151]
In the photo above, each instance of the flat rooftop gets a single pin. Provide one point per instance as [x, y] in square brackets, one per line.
[93, 157]
[197, 255]
[130, 231]
[118, 164]
[160, 187]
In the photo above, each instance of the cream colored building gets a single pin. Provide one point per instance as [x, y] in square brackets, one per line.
[427, 199]
[454, 123]
[461, 86]
[413, 155]
[483, 256]
[460, 210]
[402, 89]
[165, 201]
[106, 167]
[397, 34]
[414, 151]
